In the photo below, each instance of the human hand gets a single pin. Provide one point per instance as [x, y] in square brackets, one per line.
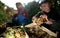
[44, 17]
[49, 22]
[34, 19]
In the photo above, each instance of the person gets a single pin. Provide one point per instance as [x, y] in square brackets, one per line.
[51, 15]
[22, 16]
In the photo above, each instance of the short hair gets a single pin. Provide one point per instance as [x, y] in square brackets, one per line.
[44, 2]
[18, 3]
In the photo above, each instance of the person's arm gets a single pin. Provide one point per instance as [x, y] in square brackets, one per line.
[35, 18]
[38, 14]
[47, 20]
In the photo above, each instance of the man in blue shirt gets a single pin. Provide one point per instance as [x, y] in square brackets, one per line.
[22, 16]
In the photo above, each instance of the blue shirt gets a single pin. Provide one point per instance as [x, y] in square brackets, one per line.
[22, 19]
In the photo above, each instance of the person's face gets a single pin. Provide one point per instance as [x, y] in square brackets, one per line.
[19, 6]
[45, 7]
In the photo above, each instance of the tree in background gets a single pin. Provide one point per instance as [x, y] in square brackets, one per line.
[33, 8]
[56, 3]
[3, 13]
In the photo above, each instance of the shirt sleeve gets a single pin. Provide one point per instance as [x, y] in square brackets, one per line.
[38, 14]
